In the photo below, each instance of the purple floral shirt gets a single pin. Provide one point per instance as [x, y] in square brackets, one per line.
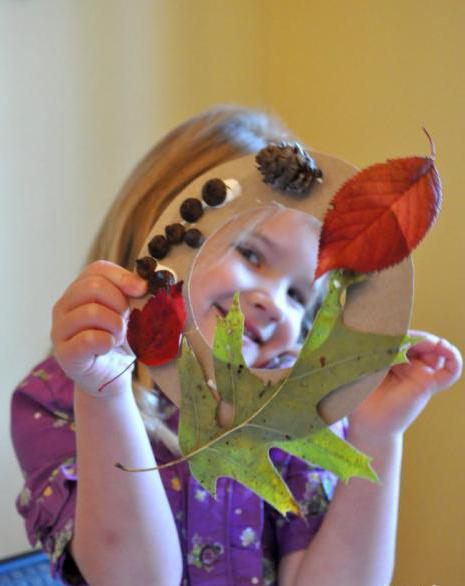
[236, 540]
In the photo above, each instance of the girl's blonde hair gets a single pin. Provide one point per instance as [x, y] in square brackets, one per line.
[213, 137]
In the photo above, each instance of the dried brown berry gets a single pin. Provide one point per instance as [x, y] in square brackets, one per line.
[159, 246]
[194, 238]
[145, 266]
[161, 280]
[175, 233]
[214, 192]
[191, 209]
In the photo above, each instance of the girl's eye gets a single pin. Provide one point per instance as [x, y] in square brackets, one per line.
[251, 255]
[297, 296]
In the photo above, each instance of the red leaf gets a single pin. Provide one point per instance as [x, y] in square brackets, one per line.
[154, 333]
[380, 215]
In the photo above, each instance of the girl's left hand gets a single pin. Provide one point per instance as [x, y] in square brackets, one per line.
[434, 365]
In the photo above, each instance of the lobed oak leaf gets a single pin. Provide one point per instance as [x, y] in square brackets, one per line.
[380, 215]
[283, 415]
[154, 332]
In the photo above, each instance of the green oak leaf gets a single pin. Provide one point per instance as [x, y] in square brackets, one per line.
[327, 450]
[236, 384]
[282, 415]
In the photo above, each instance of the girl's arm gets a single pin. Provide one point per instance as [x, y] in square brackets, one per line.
[356, 543]
[124, 529]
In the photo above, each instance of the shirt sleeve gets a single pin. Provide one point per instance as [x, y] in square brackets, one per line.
[313, 489]
[42, 428]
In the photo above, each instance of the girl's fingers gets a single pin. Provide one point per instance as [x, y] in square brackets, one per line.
[431, 359]
[79, 353]
[427, 342]
[91, 316]
[89, 320]
[91, 289]
[101, 282]
[431, 345]
[129, 283]
[453, 364]
[445, 362]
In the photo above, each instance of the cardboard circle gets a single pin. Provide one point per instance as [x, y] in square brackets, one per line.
[381, 304]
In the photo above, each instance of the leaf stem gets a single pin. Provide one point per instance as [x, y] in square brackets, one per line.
[117, 376]
[431, 144]
[212, 441]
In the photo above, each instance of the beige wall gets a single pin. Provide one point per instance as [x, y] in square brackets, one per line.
[86, 87]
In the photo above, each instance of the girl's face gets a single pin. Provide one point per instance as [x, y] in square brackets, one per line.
[270, 259]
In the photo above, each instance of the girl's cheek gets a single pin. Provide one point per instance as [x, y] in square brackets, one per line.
[232, 278]
[295, 327]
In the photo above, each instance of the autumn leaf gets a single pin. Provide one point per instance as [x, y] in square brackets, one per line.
[380, 215]
[154, 332]
[283, 415]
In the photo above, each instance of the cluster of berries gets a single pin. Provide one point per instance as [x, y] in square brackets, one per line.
[146, 268]
[213, 194]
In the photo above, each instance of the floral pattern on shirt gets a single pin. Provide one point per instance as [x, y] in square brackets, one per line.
[269, 571]
[249, 538]
[62, 539]
[315, 499]
[203, 555]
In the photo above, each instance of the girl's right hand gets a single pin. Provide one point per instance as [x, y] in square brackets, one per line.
[89, 327]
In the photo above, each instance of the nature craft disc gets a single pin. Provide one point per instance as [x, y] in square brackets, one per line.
[380, 305]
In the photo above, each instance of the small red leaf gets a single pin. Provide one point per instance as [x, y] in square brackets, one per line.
[154, 333]
[380, 215]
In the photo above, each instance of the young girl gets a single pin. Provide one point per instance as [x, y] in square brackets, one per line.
[102, 526]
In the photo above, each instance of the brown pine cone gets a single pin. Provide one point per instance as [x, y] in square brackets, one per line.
[286, 166]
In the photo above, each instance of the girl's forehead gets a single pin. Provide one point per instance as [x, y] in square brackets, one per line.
[292, 237]
[273, 222]
[289, 237]
[280, 222]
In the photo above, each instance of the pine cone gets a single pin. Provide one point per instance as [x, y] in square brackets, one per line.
[286, 166]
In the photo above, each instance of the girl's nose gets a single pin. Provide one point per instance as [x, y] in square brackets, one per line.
[266, 305]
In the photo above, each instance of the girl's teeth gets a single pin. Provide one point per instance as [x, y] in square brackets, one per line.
[251, 336]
